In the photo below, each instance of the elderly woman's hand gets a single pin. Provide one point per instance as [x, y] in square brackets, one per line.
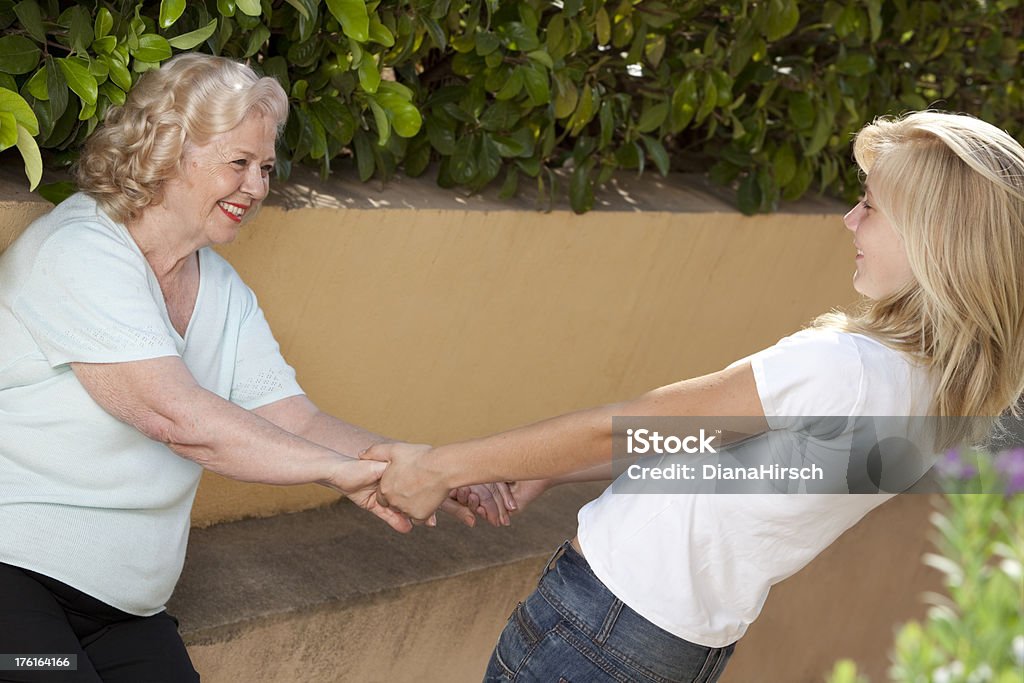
[358, 480]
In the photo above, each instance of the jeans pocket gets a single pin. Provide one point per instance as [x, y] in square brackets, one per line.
[515, 643]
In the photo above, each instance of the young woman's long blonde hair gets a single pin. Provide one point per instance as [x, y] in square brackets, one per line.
[952, 187]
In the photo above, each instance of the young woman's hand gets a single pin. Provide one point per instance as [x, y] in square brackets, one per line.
[358, 481]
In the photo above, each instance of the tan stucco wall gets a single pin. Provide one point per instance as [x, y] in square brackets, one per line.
[429, 317]
[436, 325]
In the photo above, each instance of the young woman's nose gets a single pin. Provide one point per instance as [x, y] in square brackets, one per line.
[852, 218]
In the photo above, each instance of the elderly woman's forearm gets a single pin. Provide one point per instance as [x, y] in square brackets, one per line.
[160, 398]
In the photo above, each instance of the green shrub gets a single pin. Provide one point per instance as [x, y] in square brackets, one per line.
[974, 633]
[763, 96]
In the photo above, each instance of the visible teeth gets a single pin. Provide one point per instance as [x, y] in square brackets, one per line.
[234, 210]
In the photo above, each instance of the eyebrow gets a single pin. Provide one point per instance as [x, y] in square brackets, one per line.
[251, 155]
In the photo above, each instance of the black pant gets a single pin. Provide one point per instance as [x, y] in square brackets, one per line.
[42, 616]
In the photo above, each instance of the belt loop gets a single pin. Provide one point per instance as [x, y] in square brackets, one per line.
[555, 556]
[609, 622]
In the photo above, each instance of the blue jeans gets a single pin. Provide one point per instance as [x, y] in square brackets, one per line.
[572, 628]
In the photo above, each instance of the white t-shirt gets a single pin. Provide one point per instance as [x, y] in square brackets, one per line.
[84, 498]
[700, 565]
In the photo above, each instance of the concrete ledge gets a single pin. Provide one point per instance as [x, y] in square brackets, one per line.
[333, 595]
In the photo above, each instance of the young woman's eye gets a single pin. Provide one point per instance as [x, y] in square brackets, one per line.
[864, 203]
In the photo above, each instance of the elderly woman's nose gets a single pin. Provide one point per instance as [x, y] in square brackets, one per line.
[256, 185]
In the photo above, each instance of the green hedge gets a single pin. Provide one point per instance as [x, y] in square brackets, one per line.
[763, 96]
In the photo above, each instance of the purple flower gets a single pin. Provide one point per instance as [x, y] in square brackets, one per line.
[1010, 464]
[953, 466]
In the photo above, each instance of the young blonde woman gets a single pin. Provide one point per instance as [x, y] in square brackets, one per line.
[661, 587]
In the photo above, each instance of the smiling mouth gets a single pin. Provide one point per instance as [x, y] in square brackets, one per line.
[233, 211]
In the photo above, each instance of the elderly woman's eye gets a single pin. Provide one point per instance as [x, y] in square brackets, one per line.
[267, 169]
[241, 163]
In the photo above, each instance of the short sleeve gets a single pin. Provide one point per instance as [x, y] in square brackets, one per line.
[88, 299]
[262, 375]
[809, 374]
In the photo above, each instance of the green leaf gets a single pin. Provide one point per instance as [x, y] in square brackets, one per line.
[510, 187]
[8, 130]
[250, 8]
[512, 86]
[801, 110]
[87, 112]
[542, 57]
[36, 86]
[463, 165]
[152, 48]
[436, 32]
[336, 118]
[170, 12]
[365, 160]
[535, 79]
[369, 76]
[113, 93]
[581, 191]
[380, 117]
[652, 118]
[784, 165]
[442, 137]
[684, 103]
[379, 33]
[16, 105]
[566, 96]
[875, 19]
[707, 105]
[81, 82]
[783, 17]
[300, 7]
[603, 26]
[80, 29]
[104, 45]
[104, 22]
[353, 17]
[7, 81]
[584, 111]
[226, 8]
[658, 153]
[31, 18]
[517, 145]
[18, 55]
[500, 116]
[417, 157]
[749, 195]
[821, 134]
[187, 41]
[485, 43]
[56, 89]
[519, 36]
[257, 37]
[30, 153]
[57, 192]
[488, 162]
[119, 73]
[405, 119]
[856, 64]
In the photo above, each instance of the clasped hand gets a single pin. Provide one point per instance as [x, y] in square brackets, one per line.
[412, 486]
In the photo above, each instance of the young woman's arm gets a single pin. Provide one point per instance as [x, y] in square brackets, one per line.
[419, 478]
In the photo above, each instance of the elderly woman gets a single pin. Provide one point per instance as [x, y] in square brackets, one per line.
[131, 358]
